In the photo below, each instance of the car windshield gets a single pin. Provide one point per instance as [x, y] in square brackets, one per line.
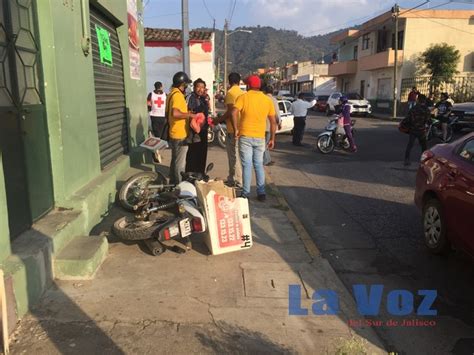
[354, 96]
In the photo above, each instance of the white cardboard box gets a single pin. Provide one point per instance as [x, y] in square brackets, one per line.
[227, 216]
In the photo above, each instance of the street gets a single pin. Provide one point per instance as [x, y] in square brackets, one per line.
[359, 210]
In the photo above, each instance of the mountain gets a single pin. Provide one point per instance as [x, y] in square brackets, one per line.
[267, 46]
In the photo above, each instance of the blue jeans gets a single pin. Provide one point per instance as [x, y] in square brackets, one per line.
[251, 154]
[266, 156]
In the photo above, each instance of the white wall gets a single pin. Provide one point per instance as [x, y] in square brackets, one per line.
[163, 62]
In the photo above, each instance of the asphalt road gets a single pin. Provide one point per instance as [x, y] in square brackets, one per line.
[359, 210]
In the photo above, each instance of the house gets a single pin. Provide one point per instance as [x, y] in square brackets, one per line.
[164, 59]
[72, 112]
[305, 76]
[365, 58]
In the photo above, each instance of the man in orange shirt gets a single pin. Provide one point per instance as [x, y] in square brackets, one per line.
[254, 108]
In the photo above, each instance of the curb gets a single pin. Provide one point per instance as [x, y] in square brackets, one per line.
[305, 237]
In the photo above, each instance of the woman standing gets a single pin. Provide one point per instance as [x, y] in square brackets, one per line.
[197, 152]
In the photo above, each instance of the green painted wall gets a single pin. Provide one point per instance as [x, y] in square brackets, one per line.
[4, 233]
[69, 91]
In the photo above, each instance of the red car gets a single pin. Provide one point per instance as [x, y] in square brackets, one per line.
[445, 194]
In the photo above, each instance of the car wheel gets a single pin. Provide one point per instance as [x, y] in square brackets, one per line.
[434, 227]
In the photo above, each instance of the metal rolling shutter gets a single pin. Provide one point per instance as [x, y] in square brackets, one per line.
[109, 94]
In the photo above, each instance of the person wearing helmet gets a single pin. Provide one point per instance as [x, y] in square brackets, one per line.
[178, 121]
[346, 115]
[444, 108]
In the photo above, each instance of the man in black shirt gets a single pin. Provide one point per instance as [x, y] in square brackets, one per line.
[418, 117]
[444, 108]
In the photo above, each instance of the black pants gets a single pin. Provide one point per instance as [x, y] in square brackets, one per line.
[197, 154]
[421, 136]
[157, 125]
[298, 129]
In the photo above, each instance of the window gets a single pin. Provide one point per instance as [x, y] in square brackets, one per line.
[362, 88]
[365, 41]
[467, 151]
[335, 96]
[288, 106]
[356, 49]
[400, 40]
[281, 107]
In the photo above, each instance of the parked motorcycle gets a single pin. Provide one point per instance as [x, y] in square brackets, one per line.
[334, 137]
[162, 212]
[220, 131]
[434, 129]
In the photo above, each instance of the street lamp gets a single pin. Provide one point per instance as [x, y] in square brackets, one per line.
[225, 49]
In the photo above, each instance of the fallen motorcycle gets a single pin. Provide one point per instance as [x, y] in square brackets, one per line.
[162, 212]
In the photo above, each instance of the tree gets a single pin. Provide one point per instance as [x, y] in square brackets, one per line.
[440, 62]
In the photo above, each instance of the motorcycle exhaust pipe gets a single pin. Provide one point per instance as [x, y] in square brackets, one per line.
[154, 246]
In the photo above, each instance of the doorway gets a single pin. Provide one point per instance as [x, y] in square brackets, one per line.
[23, 129]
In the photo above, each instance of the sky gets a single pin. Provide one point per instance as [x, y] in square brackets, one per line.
[307, 17]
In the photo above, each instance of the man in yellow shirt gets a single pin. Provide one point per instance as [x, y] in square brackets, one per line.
[235, 169]
[178, 120]
[255, 108]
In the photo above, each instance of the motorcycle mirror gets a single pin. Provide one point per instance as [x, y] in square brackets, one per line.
[209, 167]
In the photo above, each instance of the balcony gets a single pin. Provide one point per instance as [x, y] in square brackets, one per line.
[343, 68]
[380, 60]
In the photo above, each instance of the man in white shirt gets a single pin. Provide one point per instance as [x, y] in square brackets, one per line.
[299, 109]
[267, 160]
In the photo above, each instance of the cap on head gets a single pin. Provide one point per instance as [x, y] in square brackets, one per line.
[254, 82]
[181, 78]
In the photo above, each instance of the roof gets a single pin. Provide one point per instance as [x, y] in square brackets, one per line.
[404, 13]
[174, 35]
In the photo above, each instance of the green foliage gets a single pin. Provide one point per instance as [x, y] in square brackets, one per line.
[440, 62]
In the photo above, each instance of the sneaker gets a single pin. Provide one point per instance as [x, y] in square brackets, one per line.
[262, 197]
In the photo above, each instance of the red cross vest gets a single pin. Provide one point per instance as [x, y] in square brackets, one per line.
[158, 104]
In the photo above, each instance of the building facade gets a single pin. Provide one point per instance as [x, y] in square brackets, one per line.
[163, 57]
[366, 56]
[306, 77]
[72, 113]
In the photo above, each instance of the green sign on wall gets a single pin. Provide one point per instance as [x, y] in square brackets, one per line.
[103, 40]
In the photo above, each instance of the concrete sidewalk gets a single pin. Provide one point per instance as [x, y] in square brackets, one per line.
[199, 303]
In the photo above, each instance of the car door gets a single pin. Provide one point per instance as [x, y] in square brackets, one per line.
[461, 176]
[283, 115]
[289, 122]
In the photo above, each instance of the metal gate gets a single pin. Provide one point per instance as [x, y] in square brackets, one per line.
[109, 90]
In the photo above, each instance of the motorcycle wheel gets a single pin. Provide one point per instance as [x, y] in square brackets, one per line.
[210, 135]
[345, 144]
[135, 188]
[325, 144]
[221, 138]
[129, 228]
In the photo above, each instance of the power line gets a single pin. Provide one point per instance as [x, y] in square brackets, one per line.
[375, 14]
[232, 13]
[207, 9]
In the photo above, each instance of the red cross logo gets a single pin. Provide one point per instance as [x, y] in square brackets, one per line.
[158, 102]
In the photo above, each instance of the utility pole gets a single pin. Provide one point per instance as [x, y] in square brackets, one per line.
[218, 73]
[185, 36]
[396, 13]
[225, 55]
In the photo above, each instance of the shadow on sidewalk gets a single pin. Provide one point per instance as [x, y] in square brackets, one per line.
[68, 331]
[233, 339]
